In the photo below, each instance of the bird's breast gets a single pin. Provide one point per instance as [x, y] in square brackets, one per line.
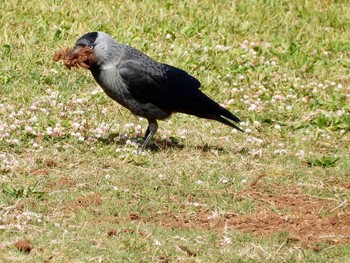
[114, 86]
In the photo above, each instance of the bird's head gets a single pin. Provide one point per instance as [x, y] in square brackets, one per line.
[102, 44]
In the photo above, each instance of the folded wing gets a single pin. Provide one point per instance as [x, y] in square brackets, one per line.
[171, 89]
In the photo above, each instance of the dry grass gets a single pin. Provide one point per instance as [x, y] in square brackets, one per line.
[74, 189]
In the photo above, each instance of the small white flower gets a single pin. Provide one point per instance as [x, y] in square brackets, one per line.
[252, 107]
[256, 124]
[56, 130]
[230, 101]
[223, 180]
[300, 153]
[200, 182]
[244, 181]
[75, 125]
[28, 129]
[33, 108]
[280, 151]
[95, 91]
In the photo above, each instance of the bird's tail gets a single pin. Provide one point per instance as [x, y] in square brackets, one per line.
[220, 117]
[209, 109]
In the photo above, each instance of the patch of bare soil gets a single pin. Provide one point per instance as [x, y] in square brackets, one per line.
[89, 201]
[50, 163]
[62, 183]
[305, 218]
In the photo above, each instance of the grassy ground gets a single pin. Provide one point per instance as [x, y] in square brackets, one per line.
[73, 189]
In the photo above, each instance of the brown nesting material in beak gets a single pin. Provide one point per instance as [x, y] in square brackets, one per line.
[80, 57]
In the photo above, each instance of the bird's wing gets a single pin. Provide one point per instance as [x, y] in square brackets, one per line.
[160, 84]
[172, 90]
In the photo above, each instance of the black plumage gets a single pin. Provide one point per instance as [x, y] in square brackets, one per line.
[148, 88]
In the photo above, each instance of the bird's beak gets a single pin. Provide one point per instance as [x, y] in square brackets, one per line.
[76, 50]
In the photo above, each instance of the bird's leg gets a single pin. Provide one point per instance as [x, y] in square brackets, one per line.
[151, 130]
[147, 132]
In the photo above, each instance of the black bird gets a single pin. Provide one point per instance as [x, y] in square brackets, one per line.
[147, 88]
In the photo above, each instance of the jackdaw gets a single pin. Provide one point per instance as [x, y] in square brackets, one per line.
[147, 88]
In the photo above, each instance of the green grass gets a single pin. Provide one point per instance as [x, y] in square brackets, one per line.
[71, 184]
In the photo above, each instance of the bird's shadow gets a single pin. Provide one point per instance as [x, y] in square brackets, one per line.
[155, 145]
[164, 144]
[208, 148]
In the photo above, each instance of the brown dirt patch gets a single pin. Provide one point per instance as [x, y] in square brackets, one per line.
[134, 216]
[50, 163]
[39, 172]
[84, 58]
[62, 183]
[90, 201]
[305, 218]
[24, 246]
[111, 232]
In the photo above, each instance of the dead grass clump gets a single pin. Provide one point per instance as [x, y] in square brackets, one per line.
[84, 58]
[134, 216]
[24, 246]
[90, 201]
[112, 232]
